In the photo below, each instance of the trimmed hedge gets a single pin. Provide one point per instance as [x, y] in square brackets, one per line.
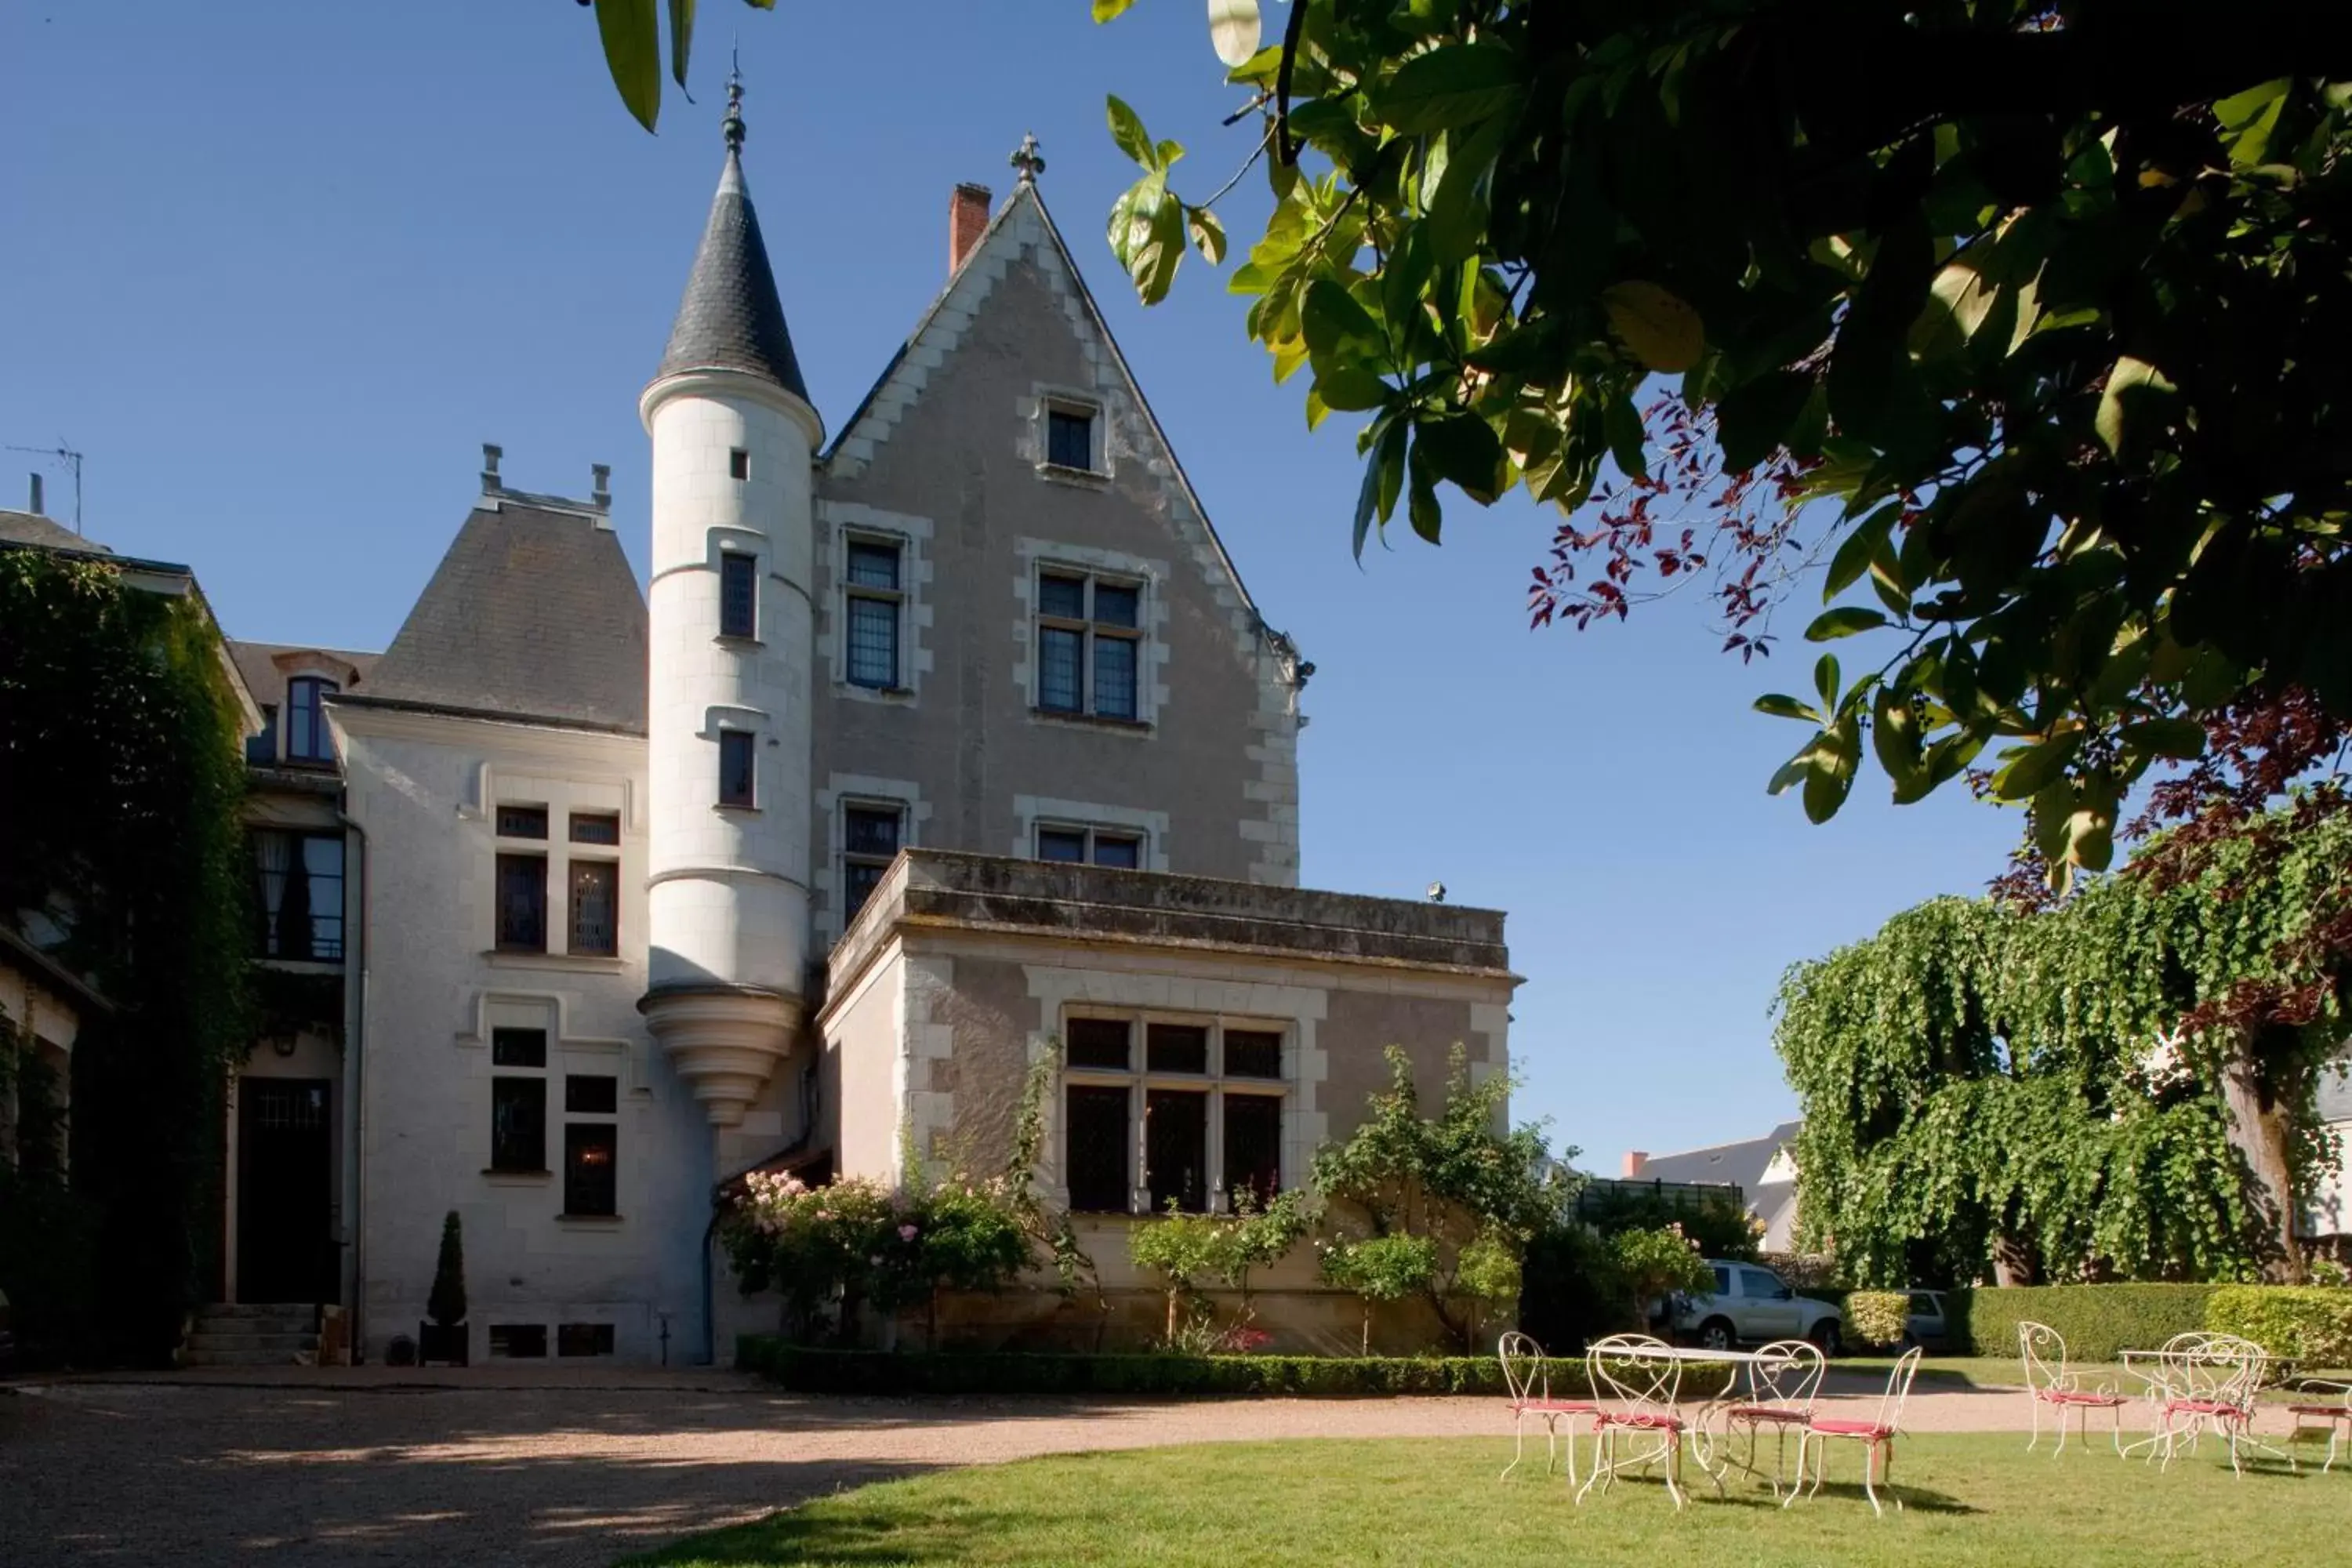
[2098, 1321]
[2310, 1325]
[805, 1370]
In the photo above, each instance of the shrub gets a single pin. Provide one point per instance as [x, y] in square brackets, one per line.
[2310, 1325]
[805, 1370]
[447, 1305]
[1380, 1269]
[1877, 1318]
[2098, 1321]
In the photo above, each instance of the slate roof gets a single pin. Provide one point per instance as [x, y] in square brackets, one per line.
[32, 528]
[1743, 1164]
[730, 317]
[533, 614]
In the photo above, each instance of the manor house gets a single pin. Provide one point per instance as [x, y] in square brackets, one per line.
[941, 736]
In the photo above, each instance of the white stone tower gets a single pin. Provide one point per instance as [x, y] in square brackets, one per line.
[732, 646]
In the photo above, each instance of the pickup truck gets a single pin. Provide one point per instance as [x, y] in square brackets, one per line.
[1751, 1305]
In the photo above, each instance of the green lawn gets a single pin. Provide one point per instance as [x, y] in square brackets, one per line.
[1968, 1500]
[1851, 1374]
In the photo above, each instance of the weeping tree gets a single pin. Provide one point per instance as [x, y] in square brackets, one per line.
[2120, 1086]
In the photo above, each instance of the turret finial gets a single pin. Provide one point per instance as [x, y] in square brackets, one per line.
[733, 125]
[1028, 160]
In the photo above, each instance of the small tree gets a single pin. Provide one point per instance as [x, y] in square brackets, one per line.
[447, 1305]
[1650, 1263]
[1486, 1271]
[1260, 1237]
[1182, 1249]
[1380, 1269]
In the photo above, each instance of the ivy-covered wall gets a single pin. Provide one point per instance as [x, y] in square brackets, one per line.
[2118, 1087]
[121, 774]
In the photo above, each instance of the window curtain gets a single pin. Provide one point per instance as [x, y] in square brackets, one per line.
[273, 855]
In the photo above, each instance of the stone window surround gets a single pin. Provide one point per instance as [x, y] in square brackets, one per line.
[1033, 812]
[560, 797]
[1044, 398]
[839, 522]
[843, 790]
[566, 1053]
[1298, 1011]
[1139, 1080]
[1038, 556]
[717, 717]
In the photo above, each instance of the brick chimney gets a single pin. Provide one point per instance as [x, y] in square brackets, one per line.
[1636, 1162]
[967, 221]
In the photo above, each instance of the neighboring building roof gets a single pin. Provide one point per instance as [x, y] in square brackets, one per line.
[533, 614]
[1743, 1164]
[32, 528]
[18, 949]
[730, 317]
[258, 662]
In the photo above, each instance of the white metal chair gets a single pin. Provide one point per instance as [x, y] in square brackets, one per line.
[2211, 1381]
[2051, 1383]
[1782, 1383]
[1877, 1436]
[2335, 1412]
[1526, 1373]
[1641, 1377]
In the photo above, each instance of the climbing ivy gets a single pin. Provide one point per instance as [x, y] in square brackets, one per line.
[120, 781]
[2119, 1087]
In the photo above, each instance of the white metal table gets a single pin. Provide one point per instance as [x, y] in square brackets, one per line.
[1732, 1360]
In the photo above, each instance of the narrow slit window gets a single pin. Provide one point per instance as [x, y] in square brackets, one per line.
[872, 601]
[738, 594]
[737, 757]
[739, 463]
[522, 903]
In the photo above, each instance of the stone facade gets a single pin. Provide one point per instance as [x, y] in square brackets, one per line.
[989, 629]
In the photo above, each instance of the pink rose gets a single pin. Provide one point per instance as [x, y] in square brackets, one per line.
[906, 1233]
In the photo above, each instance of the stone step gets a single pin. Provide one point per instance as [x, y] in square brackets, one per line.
[259, 1343]
[249, 1358]
[257, 1309]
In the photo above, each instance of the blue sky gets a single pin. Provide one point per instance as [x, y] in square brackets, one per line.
[278, 268]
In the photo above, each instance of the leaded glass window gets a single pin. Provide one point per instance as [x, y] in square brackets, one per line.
[1089, 645]
[872, 598]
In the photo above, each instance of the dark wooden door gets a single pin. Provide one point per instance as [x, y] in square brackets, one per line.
[284, 1190]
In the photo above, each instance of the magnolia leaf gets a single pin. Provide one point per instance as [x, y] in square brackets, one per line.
[2031, 770]
[1350, 388]
[1655, 325]
[1825, 679]
[2182, 739]
[2248, 119]
[1844, 622]
[1421, 504]
[1126, 130]
[1627, 440]
[1783, 706]
[2135, 390]
[1338, 329]
[1208, 233]
[632, 38]
[1384, 477]
[1451, 85]
[1104, 10]
[1753, 419]
[1861, 547]
[681, 37]
[1835, 757]
[1233, 30]
[1895, 737]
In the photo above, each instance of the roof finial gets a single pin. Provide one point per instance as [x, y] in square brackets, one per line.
[733, 125]
[1028, 160]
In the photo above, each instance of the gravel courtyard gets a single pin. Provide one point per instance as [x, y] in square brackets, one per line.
[498, 1468]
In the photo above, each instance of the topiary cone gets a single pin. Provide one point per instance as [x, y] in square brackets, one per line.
[447, 1305]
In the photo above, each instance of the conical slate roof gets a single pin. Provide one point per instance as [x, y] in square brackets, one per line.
[730, 317]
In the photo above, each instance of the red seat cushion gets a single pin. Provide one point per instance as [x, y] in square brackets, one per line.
[2074, 1397]
[2340, 1411]
[1555, 1406]
[2202, 1408]
[1853, 1428]
[1767, 1413]
[1638, 1419]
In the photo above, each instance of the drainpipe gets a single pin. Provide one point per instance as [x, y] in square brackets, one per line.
[354, 1102]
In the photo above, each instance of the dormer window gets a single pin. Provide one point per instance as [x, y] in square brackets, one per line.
[307, 737]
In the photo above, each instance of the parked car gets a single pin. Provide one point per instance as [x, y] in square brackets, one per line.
[1749, 1304]
[1928, 1325]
